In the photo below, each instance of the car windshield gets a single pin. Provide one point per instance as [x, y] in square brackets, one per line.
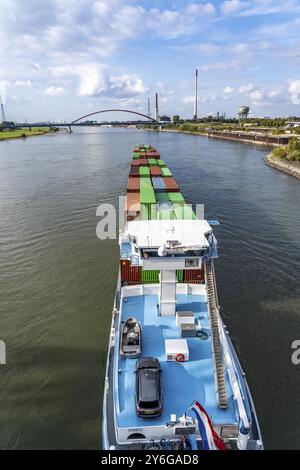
[149, 404]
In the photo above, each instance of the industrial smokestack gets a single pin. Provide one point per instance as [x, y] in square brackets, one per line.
[156, 107]
[2, 110]
[149, 111]
[196, 95]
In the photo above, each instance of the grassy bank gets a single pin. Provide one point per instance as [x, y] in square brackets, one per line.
[22, 133]
[289, 153]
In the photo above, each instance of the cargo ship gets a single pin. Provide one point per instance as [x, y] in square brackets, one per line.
[173, 379]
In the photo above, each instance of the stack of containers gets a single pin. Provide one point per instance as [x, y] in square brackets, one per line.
[134, 172]
[170, 184]
[150, 198]
[144, 172]
[158, 184]
[133, 185]
[166, 172]
[147, 199]
[130, 275]
[155, 171]
[152, 153]
[193, 276]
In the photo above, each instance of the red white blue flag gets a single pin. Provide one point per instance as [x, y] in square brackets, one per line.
[210, 439]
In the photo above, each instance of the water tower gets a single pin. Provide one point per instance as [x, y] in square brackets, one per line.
[243, 112]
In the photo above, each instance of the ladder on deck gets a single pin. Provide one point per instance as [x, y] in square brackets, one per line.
[216, 343]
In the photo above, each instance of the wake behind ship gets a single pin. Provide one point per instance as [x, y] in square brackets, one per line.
[173, 380]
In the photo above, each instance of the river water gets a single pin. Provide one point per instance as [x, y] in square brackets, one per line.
[57, 280]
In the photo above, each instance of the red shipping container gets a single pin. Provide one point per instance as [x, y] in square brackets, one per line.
[153, 155]
[139, 162]
[134, 172]
[155, 171]
[132, 203]
[193, 276]
[170, 184]
[130, 275]
[133, 185]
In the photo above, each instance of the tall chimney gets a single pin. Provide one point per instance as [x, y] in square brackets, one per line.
[156, 107]
[149, 112]
[196, 95]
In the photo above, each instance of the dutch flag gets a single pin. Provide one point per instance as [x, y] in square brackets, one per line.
[210, 439]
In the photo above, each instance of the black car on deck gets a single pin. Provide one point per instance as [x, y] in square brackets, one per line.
[148, 399]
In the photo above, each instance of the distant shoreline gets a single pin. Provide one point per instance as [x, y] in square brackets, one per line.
[222, 137]
[289, 168]
[24, 134]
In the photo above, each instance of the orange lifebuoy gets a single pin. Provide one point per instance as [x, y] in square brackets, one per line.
[179, 357]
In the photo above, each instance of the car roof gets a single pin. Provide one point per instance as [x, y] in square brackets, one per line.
[148, 386]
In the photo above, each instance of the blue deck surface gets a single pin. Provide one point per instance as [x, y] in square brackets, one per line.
[182, 382]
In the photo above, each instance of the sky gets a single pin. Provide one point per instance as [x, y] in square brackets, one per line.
[60, 59]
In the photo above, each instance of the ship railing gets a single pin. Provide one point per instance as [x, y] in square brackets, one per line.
[219, 372]
[239, 391]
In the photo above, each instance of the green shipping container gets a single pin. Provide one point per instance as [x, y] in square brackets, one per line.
[152, 161]
[143, 212]
[166, 172]
[144, 171]
[176, 198]
[167, 214]
[147, 195]
[162, 197]
[150, 277]
[160, 162]
[179, 275]
[148, 212]
[184, 212]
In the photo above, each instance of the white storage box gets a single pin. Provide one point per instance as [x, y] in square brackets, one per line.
[177, 350]
[185, 317]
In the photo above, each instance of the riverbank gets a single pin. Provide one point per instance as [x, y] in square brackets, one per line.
[289, 168]
[24, 133]
[244, 138]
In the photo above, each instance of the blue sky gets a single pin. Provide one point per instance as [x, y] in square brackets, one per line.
[60, 59]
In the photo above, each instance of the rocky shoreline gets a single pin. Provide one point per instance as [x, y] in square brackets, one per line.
[289, 168]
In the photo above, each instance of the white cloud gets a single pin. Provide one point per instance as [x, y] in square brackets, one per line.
[94, 80]
[228, 90]
[188, 99]
[126, 85]
[232, 6]
[230, 64]
[171, 24]
[259, 7]
[268, 7]
[54, 91]
[207, 48]
[246, 88]
[294, 91]
[285, 93]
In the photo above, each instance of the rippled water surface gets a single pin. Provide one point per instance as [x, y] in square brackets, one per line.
[57, 280]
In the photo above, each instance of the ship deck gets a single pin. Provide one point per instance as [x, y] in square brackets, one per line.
[182, 383]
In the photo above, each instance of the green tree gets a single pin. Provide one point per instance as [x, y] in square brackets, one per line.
[279, 152]
[294, 144]
[176, 119]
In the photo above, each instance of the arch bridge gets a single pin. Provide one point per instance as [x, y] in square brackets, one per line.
[111, 110]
